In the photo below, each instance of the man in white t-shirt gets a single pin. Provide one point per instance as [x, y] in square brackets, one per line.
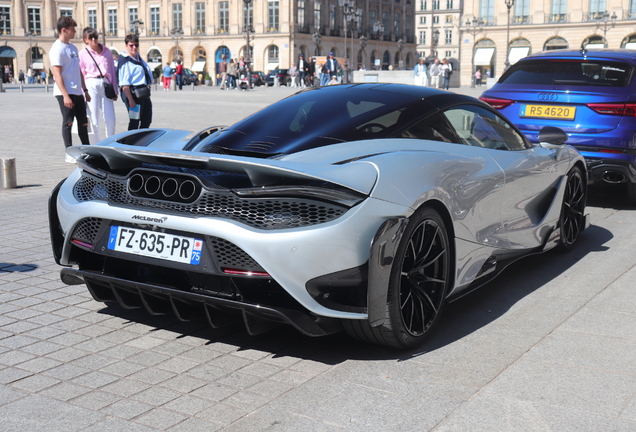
[70, 88]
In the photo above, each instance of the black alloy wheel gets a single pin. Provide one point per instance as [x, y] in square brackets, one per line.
[572, 218]
[420, 279]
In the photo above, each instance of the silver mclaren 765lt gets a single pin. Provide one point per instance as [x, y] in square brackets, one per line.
[358, 207]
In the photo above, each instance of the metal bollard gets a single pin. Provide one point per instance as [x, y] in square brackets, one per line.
[192, 86]
[1, 87]
[21, 88]
[8, 179]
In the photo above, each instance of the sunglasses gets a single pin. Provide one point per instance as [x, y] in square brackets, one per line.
[133, 45]
[93, 37]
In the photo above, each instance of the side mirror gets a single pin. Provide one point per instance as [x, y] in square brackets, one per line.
[553, 138]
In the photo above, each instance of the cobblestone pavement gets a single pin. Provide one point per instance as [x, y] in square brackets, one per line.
[549, 346]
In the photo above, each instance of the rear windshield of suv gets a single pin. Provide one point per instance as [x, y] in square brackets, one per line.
[569, 72]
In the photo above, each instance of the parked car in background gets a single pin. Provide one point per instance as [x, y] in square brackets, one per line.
[258, 78]
[360, 207]
[280, 75]
[189, 77]
[591, 95]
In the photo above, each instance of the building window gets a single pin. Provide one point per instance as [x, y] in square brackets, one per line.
[522, 12]
[199, 18]
[449, 4]
[448, 54]
[422, 20]
[396, 25]
[435, 19]
[92, 18]
[35, 21]
[422, 38]
[385, 23]
[409, 28]
[332, 17]
[559, 8]
[273, 15]
[449, 19]
[66, 12]
[448, 36]
[155, 23]
[224, 17]
[317, 15]
[423, 5]
[301, 13]
[597, 9]
[177, 16]
[248, 15]
[487, 9]
[632, 8]
[133, 15]
[112, 22]
[5, 20]
[435, 4]
[273, 54]
[373, 17]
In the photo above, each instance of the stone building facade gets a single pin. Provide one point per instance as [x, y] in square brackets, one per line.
[202, 32]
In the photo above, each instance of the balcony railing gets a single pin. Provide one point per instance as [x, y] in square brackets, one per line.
[557, 18]
[221, 30]
[521, 19]
[273, 30]
[334, 32]
[303, 29]
[593, 16]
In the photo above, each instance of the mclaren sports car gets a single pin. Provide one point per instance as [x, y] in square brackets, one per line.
[359, 207]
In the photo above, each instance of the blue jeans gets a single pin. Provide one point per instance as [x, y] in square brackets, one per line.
[180, 81]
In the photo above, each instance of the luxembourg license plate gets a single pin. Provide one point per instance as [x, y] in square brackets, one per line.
[548, 111]
[156, 245]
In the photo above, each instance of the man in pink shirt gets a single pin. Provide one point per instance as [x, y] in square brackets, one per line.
[98, 67]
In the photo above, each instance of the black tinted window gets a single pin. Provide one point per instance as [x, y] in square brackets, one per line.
[569, 72]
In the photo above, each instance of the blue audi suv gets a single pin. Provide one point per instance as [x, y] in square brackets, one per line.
[591, 95]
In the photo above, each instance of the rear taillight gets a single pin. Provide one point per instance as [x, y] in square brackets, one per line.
[497, 103]
[618, 109]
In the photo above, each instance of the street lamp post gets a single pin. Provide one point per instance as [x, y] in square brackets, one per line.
[248, 59]
[474, 27]
[136, 26]
[350, 15]
[177, 35]
[509, 5]
[316, 38]
[400, 44]
[607, 22]
[378, 30]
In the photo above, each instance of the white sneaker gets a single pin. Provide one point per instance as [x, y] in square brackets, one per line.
[69, 159]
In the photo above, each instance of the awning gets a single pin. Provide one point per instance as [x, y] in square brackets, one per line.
[630, 45]
[517, 53]
[271, 67]
[38, 65]
[595, 46]
[7, 52]
[198, 66]
[483, 56]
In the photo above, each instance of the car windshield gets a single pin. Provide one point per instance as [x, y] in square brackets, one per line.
[578, 72]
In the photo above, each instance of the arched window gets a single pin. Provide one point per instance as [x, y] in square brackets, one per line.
[519, 48]
[555, 43]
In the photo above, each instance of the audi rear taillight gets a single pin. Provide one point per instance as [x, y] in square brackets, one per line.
[497, 103]
[618, 109]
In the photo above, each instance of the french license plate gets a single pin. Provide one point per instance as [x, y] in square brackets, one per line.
[548, 111]
[156, 245]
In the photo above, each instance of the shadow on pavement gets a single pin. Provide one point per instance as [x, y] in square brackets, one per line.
[17, 268]
[460, 318]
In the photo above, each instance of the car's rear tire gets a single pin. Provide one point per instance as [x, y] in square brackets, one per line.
[419, 282]
[572, 219]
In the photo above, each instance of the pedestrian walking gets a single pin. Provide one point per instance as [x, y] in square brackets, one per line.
[135, 78]
[166, 76]
[70, 88]
[435, 73]
[231, 74]
[98, 67]
[179, 73]
[420, 73]
[21, 77]
[302, 70]
[223, 72]
[478, 77]
[447, 71]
